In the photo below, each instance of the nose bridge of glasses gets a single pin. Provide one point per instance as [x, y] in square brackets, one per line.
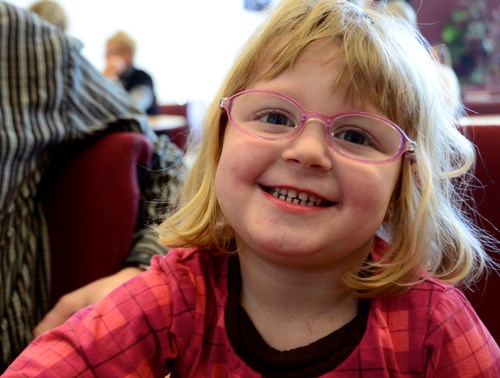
[308, 117]
[323, 121]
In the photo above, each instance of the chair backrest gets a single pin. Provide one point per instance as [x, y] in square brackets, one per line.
[91, 201]
[486, 296]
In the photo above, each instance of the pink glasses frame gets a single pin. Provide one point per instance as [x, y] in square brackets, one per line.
[407, 146]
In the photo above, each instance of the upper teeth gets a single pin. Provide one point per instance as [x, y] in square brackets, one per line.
[292, 196]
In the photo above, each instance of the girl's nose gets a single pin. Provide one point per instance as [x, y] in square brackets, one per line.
[310, 148]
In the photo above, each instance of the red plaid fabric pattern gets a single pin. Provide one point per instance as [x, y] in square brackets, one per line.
[171, 319]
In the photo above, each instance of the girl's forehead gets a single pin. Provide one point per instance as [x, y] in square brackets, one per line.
[275, 61]
[319, 54]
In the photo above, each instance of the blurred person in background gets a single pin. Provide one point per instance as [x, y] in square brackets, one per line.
[120, 52]
[403, 10]
[52, 12]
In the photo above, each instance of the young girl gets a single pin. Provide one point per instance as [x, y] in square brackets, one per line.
[330, 124]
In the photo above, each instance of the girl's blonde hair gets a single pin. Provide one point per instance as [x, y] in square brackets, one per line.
[384, 63]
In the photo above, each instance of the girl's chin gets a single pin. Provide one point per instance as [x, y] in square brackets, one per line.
[287, 252]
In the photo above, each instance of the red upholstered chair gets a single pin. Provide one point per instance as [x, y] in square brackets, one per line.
[91, 203]
[486, 297]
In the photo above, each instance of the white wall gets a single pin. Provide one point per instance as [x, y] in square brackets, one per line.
[186, 45]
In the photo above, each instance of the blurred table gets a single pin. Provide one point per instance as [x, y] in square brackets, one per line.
[481, 120]
[166, 122]
[175, 126]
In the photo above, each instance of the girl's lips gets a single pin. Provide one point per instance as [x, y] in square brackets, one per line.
[296, 197]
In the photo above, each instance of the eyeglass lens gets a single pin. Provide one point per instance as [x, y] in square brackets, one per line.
[359, 136]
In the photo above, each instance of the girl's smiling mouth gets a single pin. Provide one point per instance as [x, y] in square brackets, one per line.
[297, 197]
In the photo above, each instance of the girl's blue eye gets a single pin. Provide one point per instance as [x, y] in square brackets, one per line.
[352, 136]
[275, 118]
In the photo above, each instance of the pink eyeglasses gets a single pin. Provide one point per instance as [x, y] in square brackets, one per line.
[360, 136]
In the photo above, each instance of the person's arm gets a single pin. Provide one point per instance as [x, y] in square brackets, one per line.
[125, 333]
[140, 87]
[72, 302]
[114, 67]
[142, 95]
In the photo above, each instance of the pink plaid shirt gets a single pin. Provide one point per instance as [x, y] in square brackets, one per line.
[172, 319]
